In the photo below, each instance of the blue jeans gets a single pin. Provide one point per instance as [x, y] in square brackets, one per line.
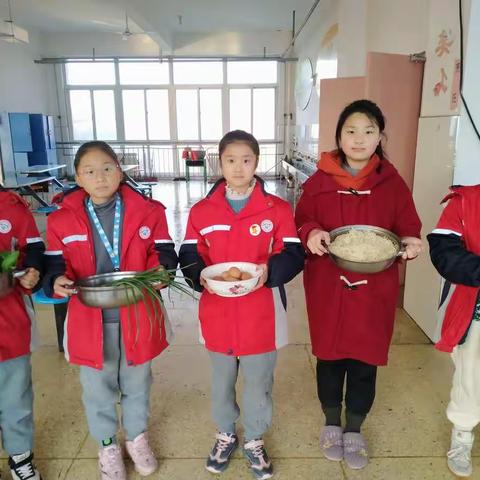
[16, 405]
[116, 382]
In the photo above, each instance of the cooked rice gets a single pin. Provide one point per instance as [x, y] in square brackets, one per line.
[363, 246]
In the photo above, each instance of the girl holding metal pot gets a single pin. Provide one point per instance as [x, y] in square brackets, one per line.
[351, 315]
[90, 235]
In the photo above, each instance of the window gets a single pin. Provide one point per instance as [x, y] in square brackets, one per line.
[198, 73]
[134, 115]
[261, 121]
[158, 115]
[187, 115]
[90, 73]
[144, 73]
[251, 72]
[81, 109]
[264, 113]
[240, 109]
[105, 122]
[211, 114]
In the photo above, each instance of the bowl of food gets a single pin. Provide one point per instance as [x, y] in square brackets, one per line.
[364, 248]
[231, 279]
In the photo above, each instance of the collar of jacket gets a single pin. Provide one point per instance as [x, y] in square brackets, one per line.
[11, 197]
[324, 182]
[137, 209]
[260, 199]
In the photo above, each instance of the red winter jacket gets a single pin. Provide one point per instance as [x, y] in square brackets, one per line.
[354, 322]
[145, 243]
[455, 253]
[16, 312]
[262, 232]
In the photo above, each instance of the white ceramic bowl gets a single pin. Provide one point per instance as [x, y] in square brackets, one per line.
[231, 289]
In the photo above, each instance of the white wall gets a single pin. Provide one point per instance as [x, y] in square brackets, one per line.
[387, 26]
[467, 164]
[24, 85]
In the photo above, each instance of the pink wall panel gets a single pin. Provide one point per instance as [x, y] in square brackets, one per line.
[335, 94]
[395, 84]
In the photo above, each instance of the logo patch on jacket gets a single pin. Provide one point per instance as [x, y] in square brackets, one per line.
[267, 225]
[5, 226]
[144, 232]
[255, 229]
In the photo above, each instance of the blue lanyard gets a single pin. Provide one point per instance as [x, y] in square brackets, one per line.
[112, 251]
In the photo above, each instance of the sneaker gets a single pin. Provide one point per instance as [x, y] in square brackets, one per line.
[331, 442]
[142, 455]
[22, 467]
[459, 456]
[110, 462]
[219, 458]
[256, 454]
[355, 451]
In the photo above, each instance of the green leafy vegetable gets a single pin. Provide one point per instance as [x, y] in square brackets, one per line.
[8, 261]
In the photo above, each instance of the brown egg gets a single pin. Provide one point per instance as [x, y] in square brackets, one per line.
[235, 272]
[219, 278]
[225, 274]
[229, 278]
[246, 276]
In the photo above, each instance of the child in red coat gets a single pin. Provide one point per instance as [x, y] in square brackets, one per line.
[455, 253]
[351, 315]
[101, 227]
[240, 221]
[18, 232]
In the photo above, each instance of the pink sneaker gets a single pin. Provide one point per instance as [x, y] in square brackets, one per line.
[110, 462]
[142, 455]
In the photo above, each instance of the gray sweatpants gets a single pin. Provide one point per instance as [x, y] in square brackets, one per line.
[103, 389]
[16, 405]
[257, 405]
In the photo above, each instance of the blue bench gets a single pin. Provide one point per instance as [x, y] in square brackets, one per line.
[60, 309]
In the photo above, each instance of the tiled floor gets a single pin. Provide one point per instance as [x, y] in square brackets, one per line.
[407, 429]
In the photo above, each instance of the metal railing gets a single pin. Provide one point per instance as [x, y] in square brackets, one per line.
[158, 161]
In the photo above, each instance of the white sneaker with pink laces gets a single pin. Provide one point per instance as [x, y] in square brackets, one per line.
[110, 462]
[142, 455]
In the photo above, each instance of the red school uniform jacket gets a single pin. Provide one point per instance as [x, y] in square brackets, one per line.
[145, 243]
[18, 229]
[262, 232]
[455, 253]
[356, 322]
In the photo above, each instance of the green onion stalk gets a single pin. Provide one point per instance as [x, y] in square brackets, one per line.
[8, 261]
[146, 286]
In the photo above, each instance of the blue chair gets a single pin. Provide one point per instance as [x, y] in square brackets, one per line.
[46, 210]
[60, 309]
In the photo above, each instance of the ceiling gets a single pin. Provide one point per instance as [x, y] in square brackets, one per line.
[162, 17]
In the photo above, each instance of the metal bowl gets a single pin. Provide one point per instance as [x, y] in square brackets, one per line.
[366, 267]
[92, 292]
[7, 281]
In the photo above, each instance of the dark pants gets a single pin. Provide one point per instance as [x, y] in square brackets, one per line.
[360, 391]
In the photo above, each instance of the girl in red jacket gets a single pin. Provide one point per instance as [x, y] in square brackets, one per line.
[455, 253]
[105, 226]
[18, 232]
[240, 221]
[351, 315]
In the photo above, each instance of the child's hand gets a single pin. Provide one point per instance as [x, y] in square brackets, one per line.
[29, 279]
[413, 247]
[204, 284]
[59, 287]
[316, 239]
[263, 277]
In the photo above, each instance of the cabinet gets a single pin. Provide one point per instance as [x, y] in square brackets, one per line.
[43, 140]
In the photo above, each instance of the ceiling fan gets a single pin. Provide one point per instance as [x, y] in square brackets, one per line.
[127, 33]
